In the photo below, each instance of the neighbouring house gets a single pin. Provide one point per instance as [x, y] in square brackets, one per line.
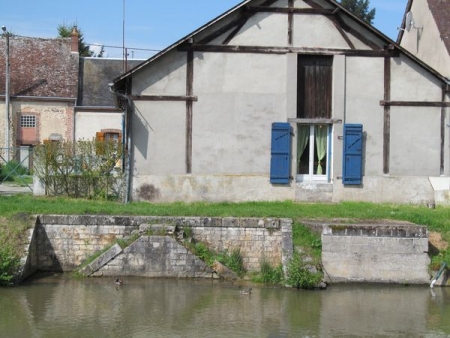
[96, 114]
[425, 32]
[287, 100]
[43, 89]
[56, 95]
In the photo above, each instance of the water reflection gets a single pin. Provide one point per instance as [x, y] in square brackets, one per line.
[97, 307]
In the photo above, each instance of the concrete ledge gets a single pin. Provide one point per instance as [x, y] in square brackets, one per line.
[381, 252]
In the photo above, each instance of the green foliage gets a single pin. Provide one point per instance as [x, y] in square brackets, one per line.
[85, 169]
[269, 274]
[308, 240]
[235, 262]
[9, 262]
[439, 258]
[11, 170]
[299, 276]
[13, 232]
[360, 8]
[65, 31]
[127, 241]
[187, 232]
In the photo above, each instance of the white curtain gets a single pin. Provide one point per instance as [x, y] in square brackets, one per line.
[321, 132]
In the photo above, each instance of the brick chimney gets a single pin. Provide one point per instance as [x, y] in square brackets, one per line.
[74, 36]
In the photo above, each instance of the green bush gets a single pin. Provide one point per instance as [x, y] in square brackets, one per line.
[202, 252]
[269, 274]
[9, 264]
[11, 170]
[82, 169]
[299, 276]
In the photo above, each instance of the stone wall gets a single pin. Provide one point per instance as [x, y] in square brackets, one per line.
[150, 256]
[64, 242]
[386, 252]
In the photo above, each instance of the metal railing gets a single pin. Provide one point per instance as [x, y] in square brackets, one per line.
[20, 158]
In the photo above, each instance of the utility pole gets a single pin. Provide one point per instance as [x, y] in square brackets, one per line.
[123, 40]
[7, 127]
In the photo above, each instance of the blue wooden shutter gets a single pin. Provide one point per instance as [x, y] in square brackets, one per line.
[352, 161]
[280, 162]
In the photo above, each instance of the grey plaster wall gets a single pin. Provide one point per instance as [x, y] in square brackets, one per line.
[239, 96]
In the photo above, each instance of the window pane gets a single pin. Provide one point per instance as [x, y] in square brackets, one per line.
[303, 149]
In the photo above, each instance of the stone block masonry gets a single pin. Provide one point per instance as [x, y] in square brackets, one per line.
[62, 243]
[155, 256]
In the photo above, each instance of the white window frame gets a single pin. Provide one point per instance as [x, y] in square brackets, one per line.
[311, 177]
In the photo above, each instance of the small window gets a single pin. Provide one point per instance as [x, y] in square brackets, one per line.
[28, 121]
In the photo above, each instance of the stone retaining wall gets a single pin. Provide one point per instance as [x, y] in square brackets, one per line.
[64, 242]
[386, 252]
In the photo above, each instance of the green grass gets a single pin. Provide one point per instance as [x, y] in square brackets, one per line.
[436, 219]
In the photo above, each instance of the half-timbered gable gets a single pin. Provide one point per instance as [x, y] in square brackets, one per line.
[286, 100]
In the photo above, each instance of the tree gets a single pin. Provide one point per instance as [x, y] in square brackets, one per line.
[65, 31]
[360, 8]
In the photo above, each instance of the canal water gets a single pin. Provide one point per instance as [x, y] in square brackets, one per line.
[59, 306]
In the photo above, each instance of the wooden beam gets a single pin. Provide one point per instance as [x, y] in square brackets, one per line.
[220, 31]
[164, 98]
[290, 23]
[343, 34]
[414, 103]
[284, 10]
[285, 50]
[189, 110]
[243, 19]
[311, 3]
[358, 35]
[314, 121]
[387, 116]
[268, 3]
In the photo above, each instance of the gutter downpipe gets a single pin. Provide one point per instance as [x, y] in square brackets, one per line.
[128, 142]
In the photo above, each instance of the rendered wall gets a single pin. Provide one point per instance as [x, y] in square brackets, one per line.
[241, 94]
[87, 123]
[424, 39]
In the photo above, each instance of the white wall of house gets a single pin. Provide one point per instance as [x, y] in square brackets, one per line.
[424, 39]
[87, 124]
[241, 94]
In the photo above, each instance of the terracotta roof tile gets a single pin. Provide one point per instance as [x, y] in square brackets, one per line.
[40, 67]
[441, 13]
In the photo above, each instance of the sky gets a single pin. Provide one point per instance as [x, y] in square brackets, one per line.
[146, 26]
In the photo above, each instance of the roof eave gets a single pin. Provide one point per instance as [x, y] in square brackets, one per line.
[179, 42]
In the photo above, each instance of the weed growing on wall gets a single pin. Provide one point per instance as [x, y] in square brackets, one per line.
[301, 276]
[235, 262]
[269, 274]
[86, 169]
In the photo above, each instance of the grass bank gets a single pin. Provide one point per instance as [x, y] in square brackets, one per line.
[437, 220]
